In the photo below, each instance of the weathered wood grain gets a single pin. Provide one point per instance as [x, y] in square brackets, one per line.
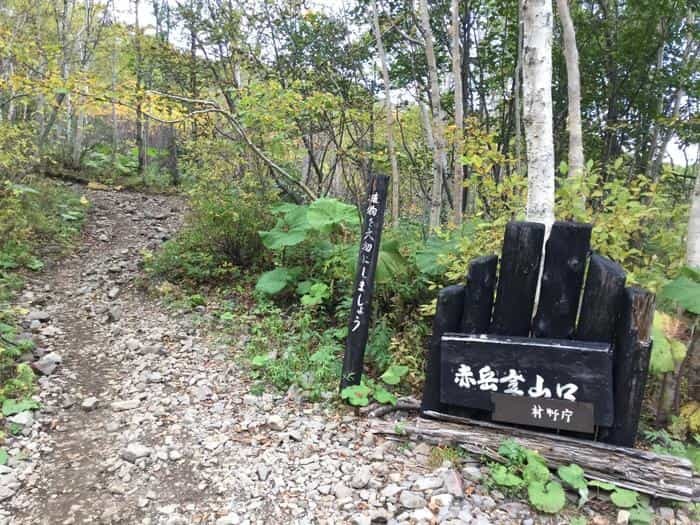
[653, 474]
[631, 364]
[602, 300]
[479, 295]
[562, 276]
[448, 315]
[517, 278]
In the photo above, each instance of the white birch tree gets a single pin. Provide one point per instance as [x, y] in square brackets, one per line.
[693, 242]
[573, 83]
[389, 109]
[459, 112]
[537, 109]
[439, 157]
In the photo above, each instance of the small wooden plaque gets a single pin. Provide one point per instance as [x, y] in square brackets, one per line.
[542, 412]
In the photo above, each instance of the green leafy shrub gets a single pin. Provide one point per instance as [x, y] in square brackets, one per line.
[524, 470]
[637, 222]
[227, 208]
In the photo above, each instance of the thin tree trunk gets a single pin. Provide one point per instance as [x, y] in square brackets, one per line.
[194, 91]
[439, 157]
[139, 100]
[573, 78]
[660, 106]
[78, 136]
[693, 242]
[78, 132]
[688, 59]
[459, 113]
[429, 139]
[692, 363]
[537, 110]
[389, 108]
[517, 93]
[11, 104]
[115, 130]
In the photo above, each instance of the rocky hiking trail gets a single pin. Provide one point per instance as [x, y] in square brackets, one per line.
[145, 420]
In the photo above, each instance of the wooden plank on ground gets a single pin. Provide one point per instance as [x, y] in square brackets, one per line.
[562, 276]
[479, 295]
[517, 278]
[602, 300]
[649, 473]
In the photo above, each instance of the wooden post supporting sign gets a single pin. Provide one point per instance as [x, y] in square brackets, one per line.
[358, 325]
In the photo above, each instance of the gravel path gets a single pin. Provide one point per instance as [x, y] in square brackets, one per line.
[144, 421]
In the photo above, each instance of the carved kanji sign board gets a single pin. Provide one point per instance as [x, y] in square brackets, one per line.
[475, 367]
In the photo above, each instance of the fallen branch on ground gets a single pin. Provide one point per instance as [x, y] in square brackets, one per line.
[654, 474]
[377, 410]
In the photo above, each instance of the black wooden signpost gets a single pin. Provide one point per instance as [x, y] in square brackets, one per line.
[574, 360]
[358, 325]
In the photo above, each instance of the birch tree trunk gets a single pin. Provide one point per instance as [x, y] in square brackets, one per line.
[439, 157]
[693, 242]
[573, 78]
[517, 93]
[537, 109]
[459, 113]
[663, 139]
[692, 364]
[389, 108]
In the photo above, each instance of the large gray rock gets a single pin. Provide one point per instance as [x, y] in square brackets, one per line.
[342, 491]
[453, 483]
[275, 422]
[48, 363]
[361, 478]
[412, 500]
[89, 403]
[25, 418]
[135, 451]
[127, 404]
[427, 483]
[39, 315]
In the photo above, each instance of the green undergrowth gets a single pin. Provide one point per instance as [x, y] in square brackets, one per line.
[293, 350]
[38, 218]
[662, 442]
[524, 473]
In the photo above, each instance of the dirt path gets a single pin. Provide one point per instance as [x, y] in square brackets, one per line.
[145, 421]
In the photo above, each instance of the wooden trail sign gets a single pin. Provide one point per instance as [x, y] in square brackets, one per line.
[474, 368]
[584, 310]
[358, 325]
